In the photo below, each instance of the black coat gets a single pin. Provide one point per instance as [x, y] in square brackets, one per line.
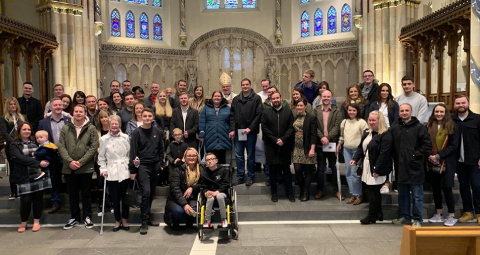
[178, 186]
[379, 152]
[470, 128]
[392, 112]
[449, 155]
[309, 131]
[411, 147]
[246, 113]
[372, 94]
[278, 124]
[19, 163]
[191, 125]
[176, 150]
[32, 108]
[220, 182]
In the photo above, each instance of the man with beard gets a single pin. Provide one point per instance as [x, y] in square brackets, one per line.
[468, 153]
[175, 98]
[226, 84]
[91, 104]
[277, 129]
[114, 87]
[126, 86]
[411, 146]
[126, 112]
[185, 118]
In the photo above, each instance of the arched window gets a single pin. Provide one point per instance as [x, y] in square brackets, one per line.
[304, 1]
[137, 1]
[332, 20]
[318, 20]
[249, 4]
[157, 3]
[231, 4]
[143, 26]
[346, 18]
[157, 28]
[305, 24]
[115, 23]
[130, 24]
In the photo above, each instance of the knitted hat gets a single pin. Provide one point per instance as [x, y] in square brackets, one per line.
[225, 79]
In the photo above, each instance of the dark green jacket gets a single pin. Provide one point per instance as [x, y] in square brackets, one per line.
[333, 124]
[81, 149]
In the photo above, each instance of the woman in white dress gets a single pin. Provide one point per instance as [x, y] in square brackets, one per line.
[374, 155]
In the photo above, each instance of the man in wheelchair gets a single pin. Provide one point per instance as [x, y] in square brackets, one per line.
[215, 185]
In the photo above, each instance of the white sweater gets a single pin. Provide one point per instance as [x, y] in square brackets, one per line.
[113, 156]
[351, 132]
[419, 105]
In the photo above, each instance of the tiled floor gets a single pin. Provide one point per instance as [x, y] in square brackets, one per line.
[253, 239]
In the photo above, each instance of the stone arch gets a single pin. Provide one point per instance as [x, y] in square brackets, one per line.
[341, 78]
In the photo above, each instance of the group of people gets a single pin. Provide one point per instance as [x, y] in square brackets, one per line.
[160, 139]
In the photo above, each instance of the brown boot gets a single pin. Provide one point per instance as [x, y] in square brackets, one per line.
[351, 200]
[358, 200]
[339, 196]
[319, 195]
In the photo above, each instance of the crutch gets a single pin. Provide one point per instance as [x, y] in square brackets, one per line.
[103, 205]
[337, 165]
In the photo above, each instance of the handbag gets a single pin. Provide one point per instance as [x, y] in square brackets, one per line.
[438, 169]
[133, 196]
[340, 156]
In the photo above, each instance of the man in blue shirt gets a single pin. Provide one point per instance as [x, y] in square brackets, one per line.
[308, 86]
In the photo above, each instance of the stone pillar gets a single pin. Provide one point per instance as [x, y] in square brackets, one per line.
[278, 22]
[182, 37]
[378, 44]
[475, 58]
[364, 37]
[392, 43]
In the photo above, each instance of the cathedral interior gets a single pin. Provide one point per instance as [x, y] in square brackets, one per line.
[85, 44]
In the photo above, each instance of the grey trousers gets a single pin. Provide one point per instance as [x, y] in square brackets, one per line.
[221, 203]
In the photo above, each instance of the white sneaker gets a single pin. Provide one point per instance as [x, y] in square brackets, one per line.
[436, 218]
[88, 223]
[224, 223]
[384, 190]
[450, 221]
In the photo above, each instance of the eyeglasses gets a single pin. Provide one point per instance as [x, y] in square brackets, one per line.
[210, 159]
[191, 156]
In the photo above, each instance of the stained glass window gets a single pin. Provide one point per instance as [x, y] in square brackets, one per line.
[346, 18]
[318, 20]
[157, 28]
[115, 23]
[332, 20]
[304, 1]
[114, 0]
[249, 4]
[144, 26]
[157, 3]
[137, 1]
[213, 4]
[231, 4]
[305, 24]
[130, 25]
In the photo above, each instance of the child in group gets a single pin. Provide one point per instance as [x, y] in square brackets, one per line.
[46, 151]
[175, 150]
[215, 185]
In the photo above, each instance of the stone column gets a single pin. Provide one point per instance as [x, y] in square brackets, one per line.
[182, 37]
[364, 38]
[278, 22]
[475, 58]
[378, 44]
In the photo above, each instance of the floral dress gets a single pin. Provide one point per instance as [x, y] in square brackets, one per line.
[299, 156]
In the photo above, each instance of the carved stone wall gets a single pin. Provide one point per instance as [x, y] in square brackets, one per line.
[237, 51]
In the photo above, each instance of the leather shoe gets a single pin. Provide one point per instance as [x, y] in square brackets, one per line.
[274, 198]
[339, 196]
[153, 223]
[55, 208]
[291, 198]
[115, 229]
[319, 195]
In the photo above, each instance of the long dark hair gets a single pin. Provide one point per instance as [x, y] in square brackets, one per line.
[390, 100]
[81, 94]
[357, 107]
[69, 109]
[447, 122]
[18, 136]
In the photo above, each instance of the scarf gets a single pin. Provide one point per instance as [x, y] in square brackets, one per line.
[193, 175]
[438, 137]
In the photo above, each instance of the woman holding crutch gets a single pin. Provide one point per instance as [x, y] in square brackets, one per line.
[113, 159]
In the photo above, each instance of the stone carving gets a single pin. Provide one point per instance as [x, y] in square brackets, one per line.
[192, 78]
[8, 25]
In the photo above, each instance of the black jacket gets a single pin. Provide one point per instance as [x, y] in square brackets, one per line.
[176, 150]
[372, 94]
[364, 111]
[278, 124]
[411, 147]
[309, 131]
[379, 152]
[191, 125]
[470, 129]
[392, 112]
[178, 186]
[217, 179]
[246, 113]
[32, 108]
[19, 163]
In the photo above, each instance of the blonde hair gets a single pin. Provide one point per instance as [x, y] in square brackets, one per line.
[177, 130]
[41, 133]
[160, 110]
[7, 114]
[100, 115]
[382, 125]
[134, 115]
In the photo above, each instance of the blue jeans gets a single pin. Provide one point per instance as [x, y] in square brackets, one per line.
[404, 206]
[353, 180]
[469, 178]
[178, 213]
[266, 168]
[240, 147]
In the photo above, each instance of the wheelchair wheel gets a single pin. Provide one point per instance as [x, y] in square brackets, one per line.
[234, 221]
[199, 206]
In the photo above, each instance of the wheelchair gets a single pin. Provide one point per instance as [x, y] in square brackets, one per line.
[232, 212]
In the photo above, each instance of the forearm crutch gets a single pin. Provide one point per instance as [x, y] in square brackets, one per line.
[103, 205]
[337, 165]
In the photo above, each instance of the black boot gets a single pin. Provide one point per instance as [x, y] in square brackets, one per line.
[144, 228]
[300, 195]
[369, 219]
[305, 197]
[380, 216]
